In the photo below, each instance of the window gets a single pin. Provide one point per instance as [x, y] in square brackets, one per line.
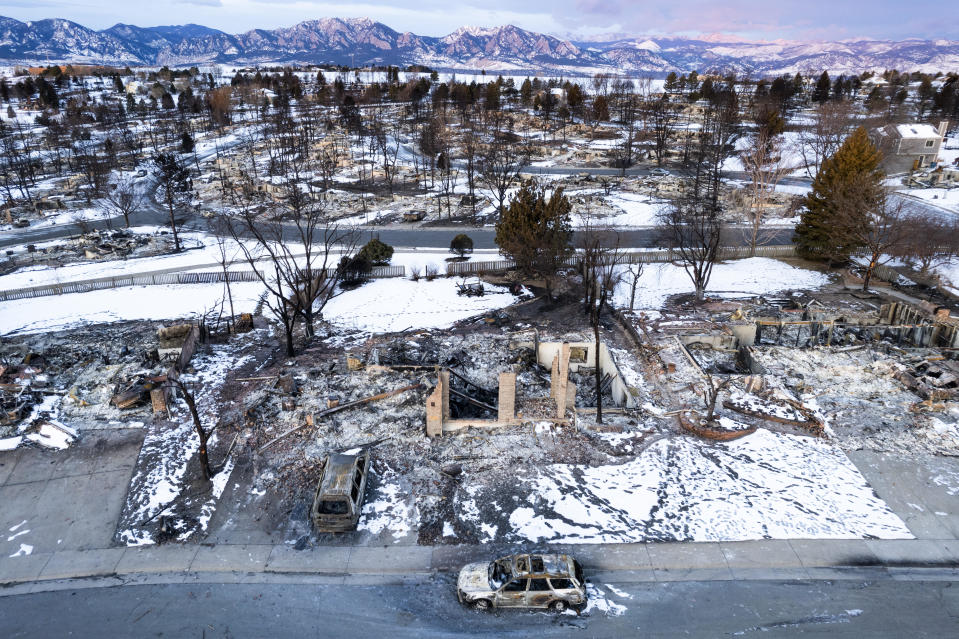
[517, 585]
[333, 507]
[561, 584]
[536, 563]
[538, 585]
[930, 143]
[522, 564]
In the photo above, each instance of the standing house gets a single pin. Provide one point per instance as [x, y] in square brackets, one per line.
[909, 147]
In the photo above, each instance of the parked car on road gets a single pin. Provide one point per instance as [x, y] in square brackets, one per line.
[339, 493]
[659, 171]
[523, 581]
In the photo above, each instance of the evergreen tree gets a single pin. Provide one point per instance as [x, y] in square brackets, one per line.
[818, 234]
[821, 92]
[535, 232]
[461, 245]
[376, 252]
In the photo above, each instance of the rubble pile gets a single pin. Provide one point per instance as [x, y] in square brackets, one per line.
[95, 245]
[71, 376]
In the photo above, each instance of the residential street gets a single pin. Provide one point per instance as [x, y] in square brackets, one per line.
[428, 608]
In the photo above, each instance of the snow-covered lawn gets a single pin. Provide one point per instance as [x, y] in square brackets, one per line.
[763, 486]
[736, 278]
[946, 198]
[58, 312]
[392, 305]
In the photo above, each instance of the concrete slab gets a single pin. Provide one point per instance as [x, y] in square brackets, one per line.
[244, 558]
[624, 577]
[8, 461]
[68, 564]
[381, 580]
[322, 559]
[951, 550]
[452, 558]
[156, 559]
[381, 560]
[908, 552]
[817, 553]
[35, 465]
[693, 574]
[669, 556]
[612, 556]
[769, 553]
[101, 451]
[770, 574]
[24, 568]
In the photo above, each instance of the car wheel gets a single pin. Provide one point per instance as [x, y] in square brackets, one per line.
[558, 606]
[483, 604]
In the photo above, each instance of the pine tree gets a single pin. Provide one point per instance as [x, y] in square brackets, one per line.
[823, 86]
[535, 232]
[818, 235]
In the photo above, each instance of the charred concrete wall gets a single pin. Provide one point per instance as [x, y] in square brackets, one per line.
[583, 354]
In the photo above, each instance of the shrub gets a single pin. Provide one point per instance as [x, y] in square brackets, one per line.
[354, 270]
[377, 253]
[431, 272]
[461, 245]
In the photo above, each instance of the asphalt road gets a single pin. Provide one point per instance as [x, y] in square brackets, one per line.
[881, 608]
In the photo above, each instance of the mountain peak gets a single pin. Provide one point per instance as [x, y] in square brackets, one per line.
[363, 41]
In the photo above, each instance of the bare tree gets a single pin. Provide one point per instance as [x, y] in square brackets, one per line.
[635, 272]
[201, 431]
[123, 199]
[175, 188]
[599, 253]
[871, 217]
[831, 123]
[662, 115]
[711, 393]
[929, 241]
[500, 166]
[694, 228]
[764, 159]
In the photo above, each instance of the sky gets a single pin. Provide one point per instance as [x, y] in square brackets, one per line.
[583, 19]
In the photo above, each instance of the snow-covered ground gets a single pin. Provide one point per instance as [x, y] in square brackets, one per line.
[946, 198]
[737, 278]
[635, 209]
[58, 312]
[392, 305]
[763, 486]
[160, 479]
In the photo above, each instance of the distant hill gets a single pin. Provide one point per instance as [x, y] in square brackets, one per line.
[361, 41]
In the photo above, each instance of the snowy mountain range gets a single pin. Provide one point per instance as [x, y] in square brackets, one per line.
[361, 41]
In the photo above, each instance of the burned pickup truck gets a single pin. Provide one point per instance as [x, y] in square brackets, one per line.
[340, 491]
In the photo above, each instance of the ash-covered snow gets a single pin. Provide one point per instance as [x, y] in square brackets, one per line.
[763, 486]
[391, 510]
[160, 482]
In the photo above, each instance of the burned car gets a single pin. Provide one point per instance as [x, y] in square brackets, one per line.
[523, 581]
[339, 493]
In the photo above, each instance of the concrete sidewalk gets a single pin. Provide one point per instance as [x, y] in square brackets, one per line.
[765, 559]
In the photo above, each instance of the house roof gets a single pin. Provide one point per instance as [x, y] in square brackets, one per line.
[917, 131]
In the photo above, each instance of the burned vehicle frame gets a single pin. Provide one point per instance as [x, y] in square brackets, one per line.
[339, 492]
[523, 581]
